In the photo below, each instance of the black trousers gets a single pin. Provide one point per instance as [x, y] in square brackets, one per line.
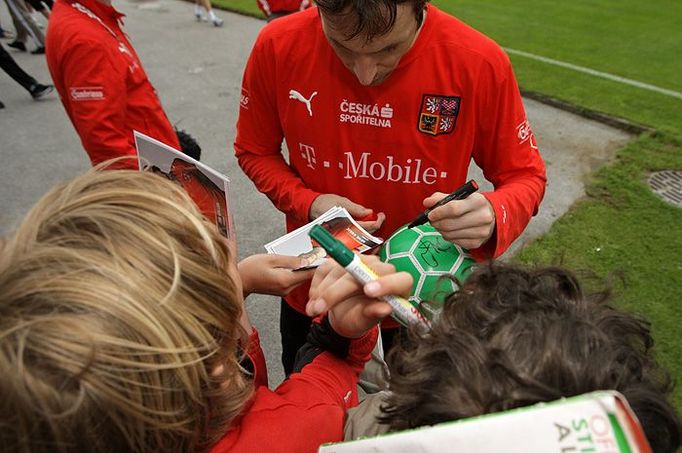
[11, 67]
[39, 5]
[294, 326]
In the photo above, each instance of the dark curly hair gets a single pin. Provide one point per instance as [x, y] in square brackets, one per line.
[514, 336]
[369, 18]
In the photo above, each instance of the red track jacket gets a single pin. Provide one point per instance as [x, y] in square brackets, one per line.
[309, 407]
[101, 82]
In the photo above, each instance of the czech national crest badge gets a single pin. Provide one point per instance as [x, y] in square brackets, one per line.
[438, 114]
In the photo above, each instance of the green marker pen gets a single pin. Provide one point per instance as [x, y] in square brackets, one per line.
[403, 311]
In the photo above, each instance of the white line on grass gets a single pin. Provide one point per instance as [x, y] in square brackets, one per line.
[604, 75]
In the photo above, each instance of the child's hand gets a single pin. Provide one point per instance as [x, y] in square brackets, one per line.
[272, 274]
[354, 309]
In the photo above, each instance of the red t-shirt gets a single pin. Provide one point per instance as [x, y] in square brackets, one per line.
[452, 97]
[101, 81]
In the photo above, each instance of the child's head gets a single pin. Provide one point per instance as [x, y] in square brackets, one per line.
[513, 337]
[119, 310]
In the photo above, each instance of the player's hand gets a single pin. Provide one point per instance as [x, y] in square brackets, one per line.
[354, 308]
[326, 201]
[374, 224]
[468, 223]
[272, 274]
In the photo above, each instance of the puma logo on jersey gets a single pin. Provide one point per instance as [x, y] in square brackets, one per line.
[293, 94]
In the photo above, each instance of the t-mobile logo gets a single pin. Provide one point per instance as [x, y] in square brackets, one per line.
[411, 171]
[386, 168]
[308, 154]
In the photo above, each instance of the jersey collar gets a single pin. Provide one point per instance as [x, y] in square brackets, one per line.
[105, 12]
[422, 39]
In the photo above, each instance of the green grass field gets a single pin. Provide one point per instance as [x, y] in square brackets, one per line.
[635, 40]
[620, 226]
[247, 7]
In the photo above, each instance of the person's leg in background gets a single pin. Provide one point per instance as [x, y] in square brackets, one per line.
[204, 6]
[35, 89]
[25, 27]
[21, 35]
[199, 11]
[41, 7]
[6, 34]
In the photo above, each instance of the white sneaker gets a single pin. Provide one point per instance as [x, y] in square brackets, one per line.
[199, 13]
[217, 21]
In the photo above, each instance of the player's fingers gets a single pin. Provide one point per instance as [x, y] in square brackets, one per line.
[482, 232]
[355, 210]
[451, 210]
[475, 205]
[469, 238]
[449, 225]
[475, 219]
[470, 244]
[467, 233]
[433, 199]
[373, 225]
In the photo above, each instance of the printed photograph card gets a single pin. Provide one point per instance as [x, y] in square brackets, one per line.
[208, 189]
[339, 223]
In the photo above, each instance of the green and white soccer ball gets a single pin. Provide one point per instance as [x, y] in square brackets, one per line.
[424, 253]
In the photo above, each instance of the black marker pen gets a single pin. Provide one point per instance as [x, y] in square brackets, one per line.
[459, 194]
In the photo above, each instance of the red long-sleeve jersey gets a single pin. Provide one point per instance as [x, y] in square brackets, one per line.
[101, 81]
[452, 98]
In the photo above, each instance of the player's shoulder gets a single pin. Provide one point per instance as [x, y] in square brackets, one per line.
[457, 35]
[63, 19]
[72, 32]
[69, 24]
[291, 31]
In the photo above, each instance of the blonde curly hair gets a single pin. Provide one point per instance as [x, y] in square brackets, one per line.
[118, 321]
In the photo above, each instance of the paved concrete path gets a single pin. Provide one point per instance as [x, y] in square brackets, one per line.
[197, 69]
